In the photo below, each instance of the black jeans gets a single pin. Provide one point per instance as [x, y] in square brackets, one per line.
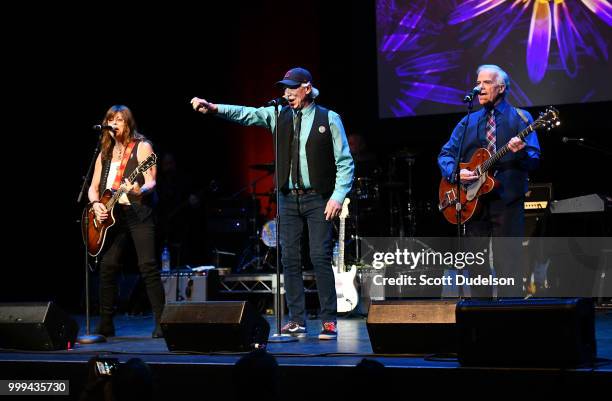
[506, 224]
[142, 233]
[295, 210]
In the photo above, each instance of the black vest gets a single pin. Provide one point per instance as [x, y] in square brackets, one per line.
[319, 151]
[143, 206]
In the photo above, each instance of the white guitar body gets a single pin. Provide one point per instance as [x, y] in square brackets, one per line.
[346, 292]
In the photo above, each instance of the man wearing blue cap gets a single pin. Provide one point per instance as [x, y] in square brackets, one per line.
[315, 171]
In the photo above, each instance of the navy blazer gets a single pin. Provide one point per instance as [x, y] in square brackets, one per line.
[511, 170]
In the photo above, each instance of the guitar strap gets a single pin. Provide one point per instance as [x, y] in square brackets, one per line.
[105, 171]
[121, 169]
[522, 115]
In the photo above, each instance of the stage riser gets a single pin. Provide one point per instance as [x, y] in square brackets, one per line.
[184, 381]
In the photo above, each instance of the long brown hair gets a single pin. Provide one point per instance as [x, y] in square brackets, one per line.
[131, 132]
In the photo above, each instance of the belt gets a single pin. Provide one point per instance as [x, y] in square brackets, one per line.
[301, 191]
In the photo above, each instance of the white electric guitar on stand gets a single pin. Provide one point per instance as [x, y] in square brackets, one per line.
[346, 292]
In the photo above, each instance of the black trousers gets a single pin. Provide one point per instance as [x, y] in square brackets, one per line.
[142, 234]
[505, 223]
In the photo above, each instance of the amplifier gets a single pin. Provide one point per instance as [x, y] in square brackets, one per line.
[538, 197]
[192, 286]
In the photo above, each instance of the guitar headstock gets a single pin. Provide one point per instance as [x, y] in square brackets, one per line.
[345, 211]
[548, 119]
[147, 163]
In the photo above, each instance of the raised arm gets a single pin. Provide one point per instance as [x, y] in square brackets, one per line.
[243, 115]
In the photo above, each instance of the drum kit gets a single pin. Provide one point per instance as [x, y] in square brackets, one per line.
[254, 259]
[384, 205]
[366, 219]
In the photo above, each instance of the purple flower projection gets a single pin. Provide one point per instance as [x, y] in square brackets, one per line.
[568, 22]
[555, 51]
[407, 50]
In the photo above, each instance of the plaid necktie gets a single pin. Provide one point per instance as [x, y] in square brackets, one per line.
[491, 132]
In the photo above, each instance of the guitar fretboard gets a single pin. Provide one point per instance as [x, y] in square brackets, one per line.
[340, 267]
[142, 167]
[500, 153]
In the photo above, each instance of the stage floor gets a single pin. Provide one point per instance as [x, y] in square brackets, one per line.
[308, 365]
[134, 339]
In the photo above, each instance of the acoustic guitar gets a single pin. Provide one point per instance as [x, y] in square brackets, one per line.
[95, 231]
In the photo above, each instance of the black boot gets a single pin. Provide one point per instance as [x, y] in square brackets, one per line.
[108, 294]
[107, 308]
[105, 326]
[155, 291]
[157, 331]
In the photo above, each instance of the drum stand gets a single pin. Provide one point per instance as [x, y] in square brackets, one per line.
[410, 212]
[257, 262]
[356, 236]
[396, 217]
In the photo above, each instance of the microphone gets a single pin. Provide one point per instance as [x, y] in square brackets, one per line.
[99, 127]
[566, 139]
[275, 102]
[470, 96]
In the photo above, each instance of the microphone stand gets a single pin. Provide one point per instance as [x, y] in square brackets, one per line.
[595, 147]
[278, 337]
[88, 338]
[457, 175]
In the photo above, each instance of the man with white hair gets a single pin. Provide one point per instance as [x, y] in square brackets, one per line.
[501, 212]
[315, 171]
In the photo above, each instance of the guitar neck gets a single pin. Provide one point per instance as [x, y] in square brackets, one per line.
[115, 198]
[340, 267]
[501, 152]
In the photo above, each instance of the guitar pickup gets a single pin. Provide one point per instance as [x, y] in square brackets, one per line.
[450, 198]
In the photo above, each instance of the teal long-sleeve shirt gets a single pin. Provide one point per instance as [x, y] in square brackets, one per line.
[264, 117]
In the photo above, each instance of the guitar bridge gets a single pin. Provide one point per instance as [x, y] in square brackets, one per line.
[450, 198]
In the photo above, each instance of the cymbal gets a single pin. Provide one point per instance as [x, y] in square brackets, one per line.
[269, 167]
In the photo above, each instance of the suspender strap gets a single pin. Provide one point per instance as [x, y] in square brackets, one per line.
[522, 115]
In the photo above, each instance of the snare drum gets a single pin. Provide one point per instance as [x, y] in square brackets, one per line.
[268, 234]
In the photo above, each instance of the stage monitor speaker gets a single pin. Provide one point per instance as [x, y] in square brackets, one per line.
[40, 326]
[412, 326]
[533, 332]
[213, 326]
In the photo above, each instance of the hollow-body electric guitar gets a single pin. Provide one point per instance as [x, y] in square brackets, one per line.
[481, 162]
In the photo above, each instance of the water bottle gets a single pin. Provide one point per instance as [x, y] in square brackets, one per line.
[165, 259]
